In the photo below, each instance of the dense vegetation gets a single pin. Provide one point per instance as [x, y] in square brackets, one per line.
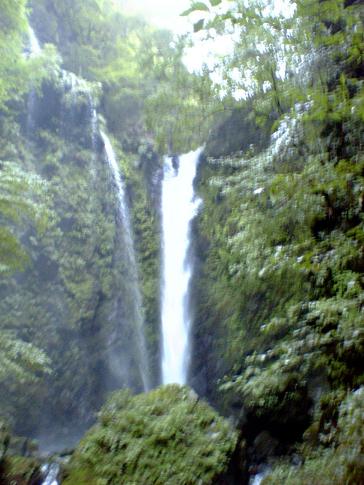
[280, 239]
[278, 300]
[164, 437]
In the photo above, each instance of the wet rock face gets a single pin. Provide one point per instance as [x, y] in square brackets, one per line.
[64, 106]
[235, 134]
[265, 446]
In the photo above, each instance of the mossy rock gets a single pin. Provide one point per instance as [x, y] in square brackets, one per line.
[167, 437]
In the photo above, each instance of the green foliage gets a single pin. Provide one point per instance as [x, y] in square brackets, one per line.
[20, 470]
[12, 25]
[18, 71]
[23, 200]
[283, 234]
[277, 58]
[146, 87]
[146, 224]
[78, 260]
[279, 239]
[21, 360]
[165, 436]
[323, 337]
[196, 7]
[178, 112]
[19, 193]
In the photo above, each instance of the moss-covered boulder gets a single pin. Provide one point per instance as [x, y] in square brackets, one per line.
[168, 436]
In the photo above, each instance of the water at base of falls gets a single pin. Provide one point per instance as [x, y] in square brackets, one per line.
[178, 209]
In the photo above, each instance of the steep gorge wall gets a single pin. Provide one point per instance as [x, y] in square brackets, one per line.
[278, 288]
[213, 299]
[93, 41]
[72, 300]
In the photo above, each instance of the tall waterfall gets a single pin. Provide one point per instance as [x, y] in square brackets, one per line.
[136, 298]
[178, 209]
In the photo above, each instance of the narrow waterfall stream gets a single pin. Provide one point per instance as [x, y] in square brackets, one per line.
[33, 50]
[136, 298]
[50, 473]
[178, 209]
[34, 45]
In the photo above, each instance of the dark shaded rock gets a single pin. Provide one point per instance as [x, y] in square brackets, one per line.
[264, 446]
[236, 133]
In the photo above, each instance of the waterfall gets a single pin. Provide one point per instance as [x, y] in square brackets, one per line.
[178, 209]
[50, 473]
[257, 479]
[94, 133]
[93, 125]
[34, 48]
[136, 298]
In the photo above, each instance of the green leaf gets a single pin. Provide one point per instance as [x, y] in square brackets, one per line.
[214, 3]
[195, 7]
[198, 25]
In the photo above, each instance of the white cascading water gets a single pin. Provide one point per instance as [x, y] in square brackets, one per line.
[33, 50]
[178, 208]
[130, 255]
[257, 479]
[34, 46]
[50, 472]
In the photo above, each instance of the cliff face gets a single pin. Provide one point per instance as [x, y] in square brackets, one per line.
[72, 300]
[278, 286]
